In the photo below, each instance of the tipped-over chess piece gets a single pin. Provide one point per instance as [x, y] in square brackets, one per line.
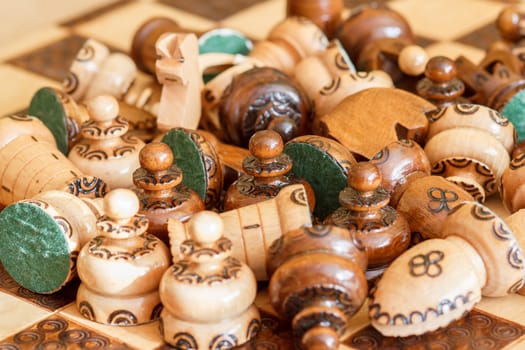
[121, 268]
[365, 211]
[40, 238]
[196, 156]
[371, 22]
[267, 171]
[160, 192]
[440, 84]
[326, 14]
[208, 295]
[105, 150]
[400, 163]
[365, 130]
[264, 98]
[475, 254]
[31, 163]
[317, 283]
[324, 164]
[470, 144]
[254, 227]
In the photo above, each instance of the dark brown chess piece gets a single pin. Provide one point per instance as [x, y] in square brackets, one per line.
[326, 14]
[267, 170]
[371, 22]
[264, 98]
[143, 43]
[159, 189]
[510, 24]
[440, 84]
[365, 210]
[317, 283]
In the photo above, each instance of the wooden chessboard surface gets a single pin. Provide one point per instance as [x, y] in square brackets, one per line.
[42, 57]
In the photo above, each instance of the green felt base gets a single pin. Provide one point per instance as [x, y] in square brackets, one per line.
[224, 40]
[33, 248]
[47, 106]
[322, 172]
[514, 111]
[187, 156]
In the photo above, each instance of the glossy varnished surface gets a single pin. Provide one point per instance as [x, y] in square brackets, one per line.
[42, 58]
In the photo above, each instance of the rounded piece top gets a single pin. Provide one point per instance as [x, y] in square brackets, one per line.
[156, 156]
[103, 108]
[266, 144]
[364, 177]
[412, 60]
[206, 227]
[440, 69]
[121, 204]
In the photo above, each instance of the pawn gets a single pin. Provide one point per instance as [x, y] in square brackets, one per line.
[105, 151]
[121, 269]
[317, 283]
[469, 144]
[365, 211]
[441, 85]
[208, 295]
[160, 192]
[263, 98]
[267, 170]
[510, 24]
[475, 254]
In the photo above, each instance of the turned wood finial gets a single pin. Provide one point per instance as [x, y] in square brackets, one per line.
[206, 228]
[440, 85]
[120, 205]
[412, 60]
[365, 178]
[156, 157]
[266, 145]
[510, 25]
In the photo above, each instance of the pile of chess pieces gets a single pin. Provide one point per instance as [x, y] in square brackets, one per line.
[332, 163]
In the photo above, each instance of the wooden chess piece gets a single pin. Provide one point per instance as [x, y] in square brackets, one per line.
[196, 156]
[177, 70]
[127, 256]
[263, 98]
[208, 295]
[288, 42]
[511, 188]
[324, 164]
[400, 163]
[40, 239]
[497, 87]
[317, 283]
[326, 14]
[95, 71]
[470, 144]
[510, 24]
[329, 77]
[255, 227]
[440, 84]
[516, 223]
[368, 23]
[160, 192]
[142, 49]
[475, 254]
[30, 163]
[267, 171]
[105, 150]
[400, 58]
[61, 114]
[365, 211]
[400, 115]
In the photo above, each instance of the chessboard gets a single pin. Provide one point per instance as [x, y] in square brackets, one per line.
[42, 58]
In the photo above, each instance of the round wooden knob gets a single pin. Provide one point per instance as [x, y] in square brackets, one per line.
[121, 204]
[103, 108]
[266, 144]
[440, 69]
[206, 227]
[412, 60]
[364, 177]
[156, 156]
[508, 24]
